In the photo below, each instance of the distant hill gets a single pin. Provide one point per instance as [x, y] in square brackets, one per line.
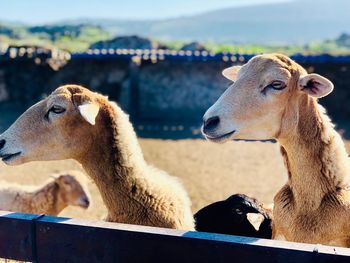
[294, 22]
[308, 26]
[71, 37]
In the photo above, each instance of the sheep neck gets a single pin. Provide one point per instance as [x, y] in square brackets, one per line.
[314, 154]
[115, 162]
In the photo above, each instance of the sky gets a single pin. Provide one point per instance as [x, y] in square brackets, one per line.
[48, 11]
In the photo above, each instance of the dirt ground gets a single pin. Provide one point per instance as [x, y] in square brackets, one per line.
[209, 171]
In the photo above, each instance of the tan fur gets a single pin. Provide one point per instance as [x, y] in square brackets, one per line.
[50, 199]
[133, 191]
[313, 206]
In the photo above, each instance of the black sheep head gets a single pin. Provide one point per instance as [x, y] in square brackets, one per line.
[237, 215]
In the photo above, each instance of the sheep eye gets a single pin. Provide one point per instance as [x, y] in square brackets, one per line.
[238, 211]
[277, 85]
[67, 185]
[57, 109]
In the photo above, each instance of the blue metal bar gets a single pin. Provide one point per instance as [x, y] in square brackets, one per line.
[156, 55]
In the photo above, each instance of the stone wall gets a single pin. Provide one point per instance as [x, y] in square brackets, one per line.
[25, 81]
[4, 96]
[167, 91]
[109, 77]
[179, 91]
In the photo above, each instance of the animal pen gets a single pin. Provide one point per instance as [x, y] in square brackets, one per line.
[40, 238]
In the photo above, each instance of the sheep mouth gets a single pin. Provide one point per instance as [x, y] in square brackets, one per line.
[85, 206]
[255, 140]
[220, 138]
[9, 156]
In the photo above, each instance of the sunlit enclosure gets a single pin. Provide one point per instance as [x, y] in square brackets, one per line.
[183, 131]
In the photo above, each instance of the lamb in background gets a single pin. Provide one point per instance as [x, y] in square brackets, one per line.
[51, 198]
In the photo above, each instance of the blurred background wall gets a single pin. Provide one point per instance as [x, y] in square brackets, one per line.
[172, 90]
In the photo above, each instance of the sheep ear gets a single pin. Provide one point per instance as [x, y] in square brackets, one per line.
[255, 219]
[316, 85]
[231, 72]
[89, 112]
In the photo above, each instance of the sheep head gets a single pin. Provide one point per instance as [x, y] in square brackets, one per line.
[61, 126]
[71, 190]
[264, 89]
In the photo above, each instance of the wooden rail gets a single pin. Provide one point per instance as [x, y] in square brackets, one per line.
[38, 238]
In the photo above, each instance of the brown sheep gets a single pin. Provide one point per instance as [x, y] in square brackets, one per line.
[273, 97]
[75, 123]
[51, 198]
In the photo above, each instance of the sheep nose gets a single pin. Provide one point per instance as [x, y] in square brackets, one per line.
[2, 143]
[211, 123]
[86, 201]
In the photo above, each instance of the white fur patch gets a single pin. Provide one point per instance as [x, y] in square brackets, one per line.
[255, 219]
[231, 72]
[89, 112]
